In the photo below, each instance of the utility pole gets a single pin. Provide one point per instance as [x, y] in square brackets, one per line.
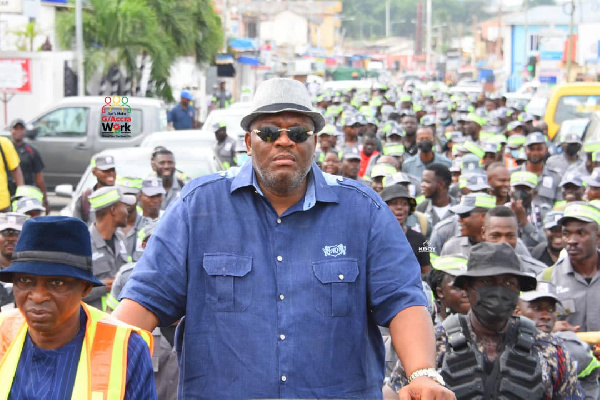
[526, 50]
[79, 45]
[570, 42]
[428, 40]
[499, 37]
[387, 18]
[225, 5]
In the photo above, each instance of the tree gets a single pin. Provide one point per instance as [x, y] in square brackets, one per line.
[118, 32]
[26, 36]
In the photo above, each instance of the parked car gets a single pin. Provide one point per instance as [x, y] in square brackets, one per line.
[194, 161]
[569, 101]
[68, 134]
[232, 116]
[169, 139]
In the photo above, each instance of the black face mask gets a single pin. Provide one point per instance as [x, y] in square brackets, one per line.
[425, 146]
[521, 194]
[572, 148]
[494, 304]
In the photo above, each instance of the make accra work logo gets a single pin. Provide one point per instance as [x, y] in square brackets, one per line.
[116, 117]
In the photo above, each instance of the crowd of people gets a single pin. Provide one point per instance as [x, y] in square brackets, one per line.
[397, 241]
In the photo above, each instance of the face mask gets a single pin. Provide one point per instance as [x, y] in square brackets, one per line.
[425, 146]
[572, 149]
[494, 304]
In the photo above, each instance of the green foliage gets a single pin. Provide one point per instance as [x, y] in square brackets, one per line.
[369, 15]
[116, 32]
[26, 36]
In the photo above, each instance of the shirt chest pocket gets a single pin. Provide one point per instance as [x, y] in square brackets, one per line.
[335, 287]
[228, 287]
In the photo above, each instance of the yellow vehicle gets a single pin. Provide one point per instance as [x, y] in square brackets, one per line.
[569, 101]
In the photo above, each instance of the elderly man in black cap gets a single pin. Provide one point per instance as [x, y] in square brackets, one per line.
[54, 346]
[318, 265]
[489, 353]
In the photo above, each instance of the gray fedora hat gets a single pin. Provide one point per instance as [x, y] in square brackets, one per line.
[278, 95]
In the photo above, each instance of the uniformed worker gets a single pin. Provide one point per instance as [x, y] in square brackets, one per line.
[500, 226]
[435, 183]
[103, 168]
[576, 275]
[164, 359]
[592, 182]
[523, 201]
[549, 251]
[448, 298]
[135, 220]
[11, 224]
[425, 155]
[166, 171]
[225, 146]
[54, 346]
[572, 189]
[548, 189]
[569, 159]
[540, 306]
[183, 115]
[221, 98]
[489, 353]
[471, 214]
[151, 197]
[108, 244]
[498, 178]
[379, 172]
[26, 191]
[326, 137]
[30, 207]
[351, 165]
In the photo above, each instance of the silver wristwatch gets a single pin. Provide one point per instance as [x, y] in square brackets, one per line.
[428, 372]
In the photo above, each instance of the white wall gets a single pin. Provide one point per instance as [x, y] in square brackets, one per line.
[15, 22]
[285, 28]
[587, 46]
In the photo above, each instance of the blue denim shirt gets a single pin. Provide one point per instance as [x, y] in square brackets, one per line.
[277, 306]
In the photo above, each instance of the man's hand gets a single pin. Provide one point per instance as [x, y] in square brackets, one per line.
[424, 388]
[519, 210]
[561, 326]
[108, 282]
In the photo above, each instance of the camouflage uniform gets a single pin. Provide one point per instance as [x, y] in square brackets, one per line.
[559, 376]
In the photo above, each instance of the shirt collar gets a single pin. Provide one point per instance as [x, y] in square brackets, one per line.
[318, 189]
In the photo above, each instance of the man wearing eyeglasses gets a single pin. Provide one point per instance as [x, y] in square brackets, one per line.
[283, 274]
[11, 224]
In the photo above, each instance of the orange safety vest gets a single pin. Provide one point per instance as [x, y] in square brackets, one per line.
[104, 349]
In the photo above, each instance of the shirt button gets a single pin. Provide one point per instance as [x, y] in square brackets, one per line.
[278, 220]
[341, 276]
[282, 337]
[279, 258]
[339, 178]
[283, 378]
[281, 297]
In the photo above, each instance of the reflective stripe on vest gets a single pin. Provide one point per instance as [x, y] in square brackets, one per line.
[104, 346]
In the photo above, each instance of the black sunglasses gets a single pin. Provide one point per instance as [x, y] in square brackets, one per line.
[270, 133]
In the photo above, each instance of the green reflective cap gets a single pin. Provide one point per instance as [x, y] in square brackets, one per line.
[379, 170]
[591, 147]
[328, 129]
[393, 150]
[582, 211]
[451, 264]
[516, 141]
[128, 182]
[524, 178]
[109, 195]
[29, 191]
[472, 117]
[474, 148]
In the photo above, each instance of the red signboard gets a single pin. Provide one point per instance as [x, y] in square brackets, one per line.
[15, 75]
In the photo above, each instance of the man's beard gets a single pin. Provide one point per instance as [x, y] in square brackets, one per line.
[281, 186]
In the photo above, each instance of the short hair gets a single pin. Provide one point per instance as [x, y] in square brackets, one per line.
[441, 172]
[334, 153]
[500, 212]
[435, 279]
[161, 151]
[410, 116]
[495, 165]
[369, 135]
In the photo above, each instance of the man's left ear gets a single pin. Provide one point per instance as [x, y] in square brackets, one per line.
[87, 289]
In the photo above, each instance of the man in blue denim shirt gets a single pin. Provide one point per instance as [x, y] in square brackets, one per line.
[283, 274]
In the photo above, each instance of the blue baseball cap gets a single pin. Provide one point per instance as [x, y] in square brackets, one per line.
[186, 95]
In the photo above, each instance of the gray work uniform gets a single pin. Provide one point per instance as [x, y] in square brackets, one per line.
[225, 152]
[426, 207]
[164, 359]
[579, 298]
[105, 263]
[449, 228]
[171, 193]
[582, 356]
[532, 233]
[462, 245]
[548, 189]
[415, 166]
[132, 244]
[88, 216]
[560, 164]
